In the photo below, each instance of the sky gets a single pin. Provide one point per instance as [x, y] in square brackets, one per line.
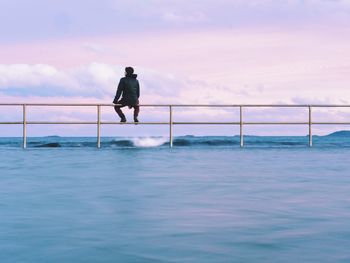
[205, 52]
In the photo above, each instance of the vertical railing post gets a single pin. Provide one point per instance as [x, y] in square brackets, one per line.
[171, 126]
[98, 126]
[241, 138]
[24, 127]
[310, 126]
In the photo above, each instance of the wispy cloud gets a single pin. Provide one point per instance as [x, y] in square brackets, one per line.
[174, 17]
[97, 48]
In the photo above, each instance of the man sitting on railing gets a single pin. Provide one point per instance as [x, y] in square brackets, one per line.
[129, 89]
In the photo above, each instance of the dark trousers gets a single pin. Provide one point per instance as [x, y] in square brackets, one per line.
[119, 111]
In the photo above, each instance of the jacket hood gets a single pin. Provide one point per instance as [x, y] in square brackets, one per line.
[134, 76]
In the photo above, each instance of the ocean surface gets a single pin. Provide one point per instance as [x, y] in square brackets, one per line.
[205, 200]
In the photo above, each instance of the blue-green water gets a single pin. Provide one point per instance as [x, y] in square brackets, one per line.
[192, 203]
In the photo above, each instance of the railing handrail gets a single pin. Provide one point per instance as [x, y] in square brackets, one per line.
[171, 121]
[180, 105]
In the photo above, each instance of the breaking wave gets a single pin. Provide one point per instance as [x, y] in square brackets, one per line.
[149, 141]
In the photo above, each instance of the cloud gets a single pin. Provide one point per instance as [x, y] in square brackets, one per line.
[99, 81]
[184, 18]
[93, 80]
[96, 48]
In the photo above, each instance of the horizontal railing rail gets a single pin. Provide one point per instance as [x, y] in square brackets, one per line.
[171, 121]
[184, 105]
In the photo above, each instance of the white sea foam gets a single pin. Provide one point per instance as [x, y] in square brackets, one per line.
[149, 141]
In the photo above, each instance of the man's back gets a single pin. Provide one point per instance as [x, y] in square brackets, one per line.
[129, 89]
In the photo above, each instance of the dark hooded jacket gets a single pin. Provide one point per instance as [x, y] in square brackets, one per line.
[129, 89]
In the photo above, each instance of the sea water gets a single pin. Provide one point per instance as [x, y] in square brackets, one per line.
[205, 200]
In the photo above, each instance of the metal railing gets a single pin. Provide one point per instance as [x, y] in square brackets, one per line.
[171, 122]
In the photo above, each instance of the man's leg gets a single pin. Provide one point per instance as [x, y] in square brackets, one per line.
[120, 113]
[136, 113]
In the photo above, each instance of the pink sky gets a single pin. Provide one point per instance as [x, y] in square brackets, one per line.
[183, 55]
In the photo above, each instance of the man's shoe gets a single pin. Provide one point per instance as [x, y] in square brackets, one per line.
[136, 119]
[123, 119]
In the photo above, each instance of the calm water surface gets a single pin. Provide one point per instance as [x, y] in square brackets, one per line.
[207, 204]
